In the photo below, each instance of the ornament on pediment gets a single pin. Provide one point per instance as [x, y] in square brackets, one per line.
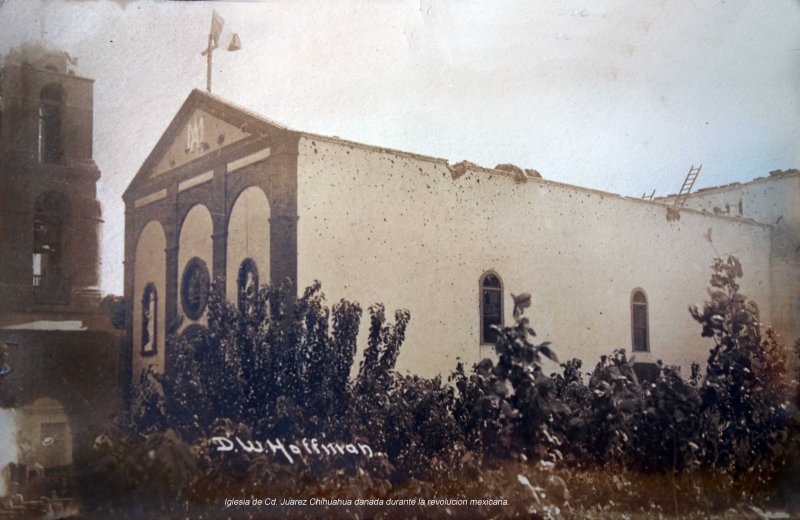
[202, 133]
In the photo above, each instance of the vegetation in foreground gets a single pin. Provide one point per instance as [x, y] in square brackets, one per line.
[558, 445]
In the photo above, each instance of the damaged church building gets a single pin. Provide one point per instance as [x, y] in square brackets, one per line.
[232, 195]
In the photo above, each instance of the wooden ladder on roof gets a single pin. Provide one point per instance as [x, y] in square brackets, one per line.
[688, 183]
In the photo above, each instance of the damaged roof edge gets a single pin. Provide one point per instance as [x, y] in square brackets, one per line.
[356, 144]
[459, 169]
[510, 171]
[635, 200]
[456, 169]
[775, 174]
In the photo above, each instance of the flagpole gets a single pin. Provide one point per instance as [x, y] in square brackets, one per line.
[208, 61]
[219, 36]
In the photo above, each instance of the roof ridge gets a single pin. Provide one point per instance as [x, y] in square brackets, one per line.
[251, 113]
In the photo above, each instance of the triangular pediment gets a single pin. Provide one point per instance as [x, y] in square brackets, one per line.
[204, 125]
[201, 134]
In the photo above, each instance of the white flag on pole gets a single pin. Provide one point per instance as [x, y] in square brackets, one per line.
[221, 35]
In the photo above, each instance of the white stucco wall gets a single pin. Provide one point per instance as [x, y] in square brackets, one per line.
[773, 200]
[195, 241]
[769, 200]
[380, 226]
[248, 237]
[150, 267]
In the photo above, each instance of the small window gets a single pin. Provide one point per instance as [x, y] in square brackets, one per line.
[639, 325]
[491, 307]
[247, 284]
[149, 320]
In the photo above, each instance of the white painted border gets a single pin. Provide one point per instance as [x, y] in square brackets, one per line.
[248, 160]
[147, 199]
[196, 181]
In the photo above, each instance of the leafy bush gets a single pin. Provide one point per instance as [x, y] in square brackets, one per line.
[614, 406]
[509, 407]
[735, 419]
[286, 373]
[256, 366]
[669, 427]
[271, 370]
[745, 392]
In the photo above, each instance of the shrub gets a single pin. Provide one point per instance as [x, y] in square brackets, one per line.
[287, 373]
[614, 406]
[668, 430]
[272, 370]
[744, 393]
[511, 407]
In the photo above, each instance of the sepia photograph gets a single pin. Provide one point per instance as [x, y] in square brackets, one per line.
[399, 259]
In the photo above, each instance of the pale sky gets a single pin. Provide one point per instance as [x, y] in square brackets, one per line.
[617, 95]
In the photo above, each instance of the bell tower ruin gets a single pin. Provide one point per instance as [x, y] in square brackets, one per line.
[49, 212]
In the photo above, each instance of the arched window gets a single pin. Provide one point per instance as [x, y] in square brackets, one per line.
[247, 283]
[639, 326]
[149, 320]
[50, 149]
[50, 215]
[491, 306]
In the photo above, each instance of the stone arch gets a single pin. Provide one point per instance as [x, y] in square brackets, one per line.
[195, 245]
[248, 237]
[150, 276]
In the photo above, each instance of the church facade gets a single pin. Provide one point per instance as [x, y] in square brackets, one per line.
[230, 194]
